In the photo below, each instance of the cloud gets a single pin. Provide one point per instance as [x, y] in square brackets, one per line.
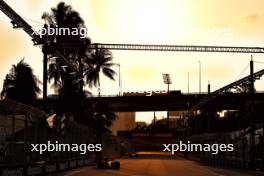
[141, 73]
[33, 4]
[219, 72]
[252, 18]
[12, 44]
[214, 72]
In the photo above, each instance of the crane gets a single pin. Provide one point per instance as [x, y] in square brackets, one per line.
[19, 22]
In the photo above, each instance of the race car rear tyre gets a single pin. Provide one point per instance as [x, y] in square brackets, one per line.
[115, 165]
[100, 165]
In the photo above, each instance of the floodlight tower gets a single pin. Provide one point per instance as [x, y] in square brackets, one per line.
[167, 80]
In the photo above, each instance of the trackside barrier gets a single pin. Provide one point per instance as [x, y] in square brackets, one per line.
[224, 162]
[233, 163]
[44, 168]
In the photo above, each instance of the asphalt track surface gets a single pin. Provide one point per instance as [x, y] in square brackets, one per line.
[157, 164]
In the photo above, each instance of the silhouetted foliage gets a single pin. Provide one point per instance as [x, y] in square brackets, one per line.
[66, 82]
[104, 115]
[89, 64]
[21, 84]
[102, 119]
[100, 60]
[65, 17]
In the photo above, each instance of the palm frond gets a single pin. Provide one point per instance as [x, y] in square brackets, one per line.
[109, 72]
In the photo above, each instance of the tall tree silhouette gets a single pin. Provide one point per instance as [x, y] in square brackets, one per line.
[65, 17]
[89, 64]
[99, 61]
[21, 84]
[67, 84]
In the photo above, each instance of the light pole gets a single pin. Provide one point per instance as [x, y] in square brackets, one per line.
[200, 77]
[154, 120]
[119, 79]
[45, 72]
[188, 83]
[209, 88]
[252, 123]
[167, 80]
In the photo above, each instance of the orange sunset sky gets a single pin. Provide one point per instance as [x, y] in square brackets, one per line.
[176, 22]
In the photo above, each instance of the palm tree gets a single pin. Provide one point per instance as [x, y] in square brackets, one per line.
[89, 64]
[21, 84]
[99, 61]
[69, 87]
[63, 16]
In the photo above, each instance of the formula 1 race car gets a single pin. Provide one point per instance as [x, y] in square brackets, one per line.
[108, 164]
[133, 155]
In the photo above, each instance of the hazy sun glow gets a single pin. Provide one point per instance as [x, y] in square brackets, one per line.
[150, 22]
[148, 19]
[143, 20]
